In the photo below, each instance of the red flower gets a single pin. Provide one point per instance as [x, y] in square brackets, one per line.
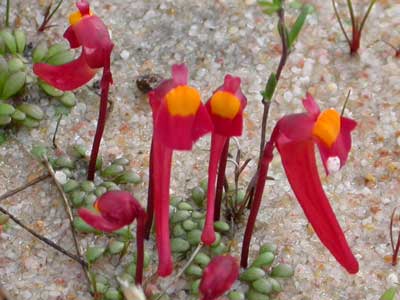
[218, 277]
[226, 110]
[295, 136]
[179, 119]
[117, 209]
[88, 31]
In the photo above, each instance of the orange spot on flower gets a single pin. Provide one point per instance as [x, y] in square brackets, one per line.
[225, 105]
[75, 17]
[327, 127]
[183, 101]
[96, 206]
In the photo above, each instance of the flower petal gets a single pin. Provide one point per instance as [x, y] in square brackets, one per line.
[70, 36]
[97, 221]
[311, 106]
[341, 147]
[180, 74]
[296, 127]
[298, 159]
[66, 77]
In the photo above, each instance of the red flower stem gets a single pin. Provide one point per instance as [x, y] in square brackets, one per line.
[255, 207]
[220, 180]
[355, 42]
[396, 248]
[140, 247]
[150, 196]
[162, 172]
[106, 81]
[217, 144]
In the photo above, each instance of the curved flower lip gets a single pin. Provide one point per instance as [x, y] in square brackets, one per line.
[116, 210]
[92, 34]
[226, 126]
[177, 132]
[218, 277]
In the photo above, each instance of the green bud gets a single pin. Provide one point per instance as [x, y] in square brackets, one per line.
[39, 152]
[131, 269]
[197, 215]
[217, 240]
[4, 120]
[189, 225]
[30, 123]
[202, 259]
[198, 196]
[64, 162]
[240, 197]
[129, 177]
[15, 64]
[221, 226]
[179, 245]
[390, 294]
[185, 206]
[254, 295]
[112, 171]
[9, 40]
[235, 295]
[121, 161]
[88, 186]
[93, 253]
[101, 288]
[219, 249]
[100, 190]
[113, 294]
[77, 197]
[60, 58]
[18, 115]
[20, 40]
[13, 84]
[268, 247]
[282, 271]
[276, 286]
[252, 274]
[264, 260]
[124, 233]
[99, 163]
[31, 110]
[40, 52]
[201, 222]
[194, 289]
[204, 184]
[175, 200]
[180, 216]
[68, 99]
[146, 259]
[50, 90]
[70, 185]
[79, 151]
[6, 109]
[110, 186]
[116, 246]
[262, 286]
[194, 270]
[57, 48]
[194, 237]
[90, 199]
[178, 231]
[3, 219]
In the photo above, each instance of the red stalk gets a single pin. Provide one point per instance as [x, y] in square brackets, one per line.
[150, 196]
[140, 247]
[162, 173]
[355, 42]
[396, 248]
[217, 143]
[220, 180]
[106, 81]
[255, 207]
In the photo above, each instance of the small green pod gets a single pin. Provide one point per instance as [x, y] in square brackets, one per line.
[198, 196]
[15, 64]
[9, 40]
[113, 294]
[40, 52]
[189, 225]
[31, 110]
[202, 259]
[194, 237]
[252, 274]
[30, 123]
[179, 245]
[194, 270]
[79, 151]
[94, 252]
[121, 161]
[6, 109]
[194, 288]
[262, 285]
[185, 206]
[101, 288]
[13, 84]
[112, 171]
[115, 247]
[88, 186]
[70, 186]
[268, 247]
[129, 178]
[219, 249]
[264, 260]
[50, 90]
[90, 199]
[64, 162]
[282, 271]
[20, 40]
[180, 216]
[221, 226]
[276, 286]
[4, 120]
[68, 99]
[217, 240]
[178, 231]
[389, 294]
[100, 190]
[56, 48]
[18, 115]
[77, 198]
[60, 58]
[197, 215]
[235, 295]
[254, 295]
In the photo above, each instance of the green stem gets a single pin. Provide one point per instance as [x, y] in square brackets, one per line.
[371, 4]
[353, 18]
[8, 13]
[340, 22]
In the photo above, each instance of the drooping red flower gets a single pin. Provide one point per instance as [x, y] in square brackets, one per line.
[179, 119]
[114, 210]
[218, 277]
[89, 32]
[226, 110]
[295, 136]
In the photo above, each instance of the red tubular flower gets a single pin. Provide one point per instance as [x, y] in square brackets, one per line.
[226, 110]
[115, 210]
[89, 32]
[218, 277]
[179, 119]
[295, 136]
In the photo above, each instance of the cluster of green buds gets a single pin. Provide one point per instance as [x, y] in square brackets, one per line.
[103, 289]
[57, 54]
[263, 278]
